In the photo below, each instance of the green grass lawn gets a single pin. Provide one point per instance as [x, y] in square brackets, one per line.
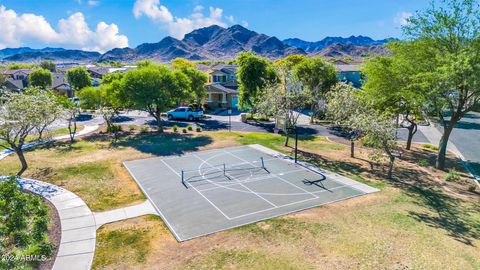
[405, 226]
[413, 223]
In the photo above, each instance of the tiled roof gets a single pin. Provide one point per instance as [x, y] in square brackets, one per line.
[18, 84]
[220, 88]
[13, 71]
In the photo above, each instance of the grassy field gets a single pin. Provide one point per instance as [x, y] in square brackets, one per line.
[417, 221]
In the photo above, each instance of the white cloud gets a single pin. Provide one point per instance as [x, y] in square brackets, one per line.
[72, 32]
[245, 24]
[230, 18]
[178, 27]
[93, 3]
[402, 17]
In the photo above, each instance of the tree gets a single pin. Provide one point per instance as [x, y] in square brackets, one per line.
[284, 98]
[254, 74]
[180, 63]
[78, 78]
[197, 78]
[443, 49]
[90, 98]
[389, 87]
[290, 61]
[348, 107]
[41, 78]
[51, 111]
[20, 115]
[48, 65]
[71, 113]
[344, 101]
[318, 77]
[379, 133]
[154, 89]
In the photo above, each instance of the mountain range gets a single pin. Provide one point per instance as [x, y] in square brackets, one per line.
[213, 42]
[317, 46]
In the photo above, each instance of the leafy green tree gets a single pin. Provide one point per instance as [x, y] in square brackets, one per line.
[197, 78]
[180, 63]
[254, 74]
[352, 110]
[90, 98]
[379, 133]
[41, 78]
[20, 66]
[48, 65]
[343, 101]
[290, 61]
[318, 77]
[51, 111]
[443, 50]
[390, 89]
[20, 115]
[78, 78]
[144, 63]
[154, 89]
[284, 98]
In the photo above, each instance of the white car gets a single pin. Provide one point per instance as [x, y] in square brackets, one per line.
[184, 113]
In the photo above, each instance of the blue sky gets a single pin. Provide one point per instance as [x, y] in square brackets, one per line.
[104, 24]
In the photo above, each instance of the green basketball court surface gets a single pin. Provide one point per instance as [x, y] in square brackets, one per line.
[200, 193]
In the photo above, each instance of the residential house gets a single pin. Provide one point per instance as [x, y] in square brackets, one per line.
[98, 72]
[61, 85]
[16, 79]
[222, 87]
[349, 74]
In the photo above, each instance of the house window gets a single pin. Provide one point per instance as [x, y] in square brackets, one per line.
[209, 97]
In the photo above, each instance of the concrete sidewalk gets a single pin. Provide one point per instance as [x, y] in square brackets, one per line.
[145, 208]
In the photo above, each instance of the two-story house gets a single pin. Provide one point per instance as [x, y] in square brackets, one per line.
[16, 79]
[222, 87]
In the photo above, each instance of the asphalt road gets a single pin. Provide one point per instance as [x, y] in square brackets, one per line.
[466, 137]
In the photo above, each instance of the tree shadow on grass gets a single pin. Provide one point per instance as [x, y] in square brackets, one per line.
[448, 214]
[442, 211]
[166, 143]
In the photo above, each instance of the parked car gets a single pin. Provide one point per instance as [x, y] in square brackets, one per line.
[184, 113]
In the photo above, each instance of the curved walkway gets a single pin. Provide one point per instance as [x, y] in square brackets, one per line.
[86, 130]
[79, 223]
[77, 244]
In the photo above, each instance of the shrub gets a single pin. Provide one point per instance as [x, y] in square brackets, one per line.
[24, 226]
[131, 127]
[189, 128]
[184, 130]
[144, 129]
[452, 176]
[472, 188]
[175, 128]
[429, 146]
[198, 129]
[423, 163]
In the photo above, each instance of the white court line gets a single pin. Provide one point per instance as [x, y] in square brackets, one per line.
[154, 205]
[198, 192]
[231, 166]
[238, 149]
[247, 181]
[315, 196]
[283, 205]
[251, 191]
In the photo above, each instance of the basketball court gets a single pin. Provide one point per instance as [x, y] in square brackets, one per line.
[205, 192]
